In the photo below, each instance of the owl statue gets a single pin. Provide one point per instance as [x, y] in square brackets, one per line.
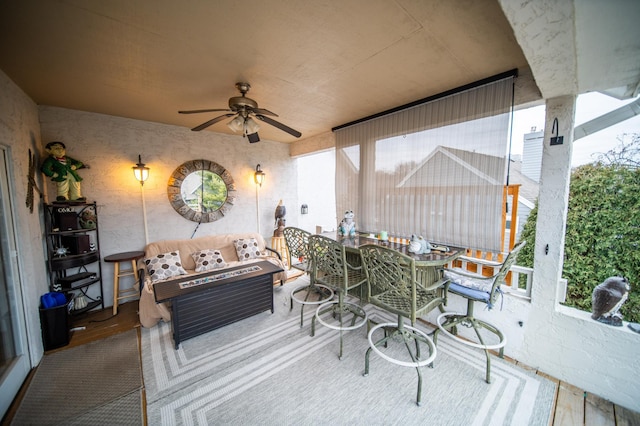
[280, 213]
[281, 222]
[607, 298]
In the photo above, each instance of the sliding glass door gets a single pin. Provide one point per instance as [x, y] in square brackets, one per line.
[14, 362]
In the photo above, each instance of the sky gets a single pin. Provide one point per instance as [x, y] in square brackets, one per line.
[588, 107]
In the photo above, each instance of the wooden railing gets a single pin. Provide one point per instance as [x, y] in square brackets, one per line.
[487, 263]
[514, 284]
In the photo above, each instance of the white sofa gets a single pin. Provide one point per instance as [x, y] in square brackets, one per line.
[151, 312]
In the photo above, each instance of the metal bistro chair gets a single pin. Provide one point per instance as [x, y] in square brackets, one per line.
[393, 287]
[476, 288]
[332, 268]
[297, 241]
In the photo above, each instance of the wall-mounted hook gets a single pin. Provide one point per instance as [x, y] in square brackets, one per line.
[555, 129]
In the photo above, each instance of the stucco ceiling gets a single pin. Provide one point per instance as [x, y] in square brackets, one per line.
[316, 64]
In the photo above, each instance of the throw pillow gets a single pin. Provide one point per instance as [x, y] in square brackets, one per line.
[247, 248]
[165, 265]
[208, 259]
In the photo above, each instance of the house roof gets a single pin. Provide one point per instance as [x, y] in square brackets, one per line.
[470, 168]
[529, 188]
[316, 64]
[470, 164]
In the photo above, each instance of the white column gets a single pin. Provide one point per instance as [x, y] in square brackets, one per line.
[553, 201]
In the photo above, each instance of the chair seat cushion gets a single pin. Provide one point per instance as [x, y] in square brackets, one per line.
[472, 281]
[470, 293]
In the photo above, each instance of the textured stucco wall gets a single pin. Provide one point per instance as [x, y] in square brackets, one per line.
[20, 131]
[110, 145]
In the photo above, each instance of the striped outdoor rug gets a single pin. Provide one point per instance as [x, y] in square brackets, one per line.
[267, 370]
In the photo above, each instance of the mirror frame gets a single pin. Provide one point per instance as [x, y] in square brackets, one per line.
[175, 195]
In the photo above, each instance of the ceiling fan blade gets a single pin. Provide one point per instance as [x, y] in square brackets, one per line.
[197, 111]
[279, 125]
[212, 121]
[264, 112]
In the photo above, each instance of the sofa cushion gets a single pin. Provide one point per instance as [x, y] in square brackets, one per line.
[164, 265]
[247, 248]
[208, 259]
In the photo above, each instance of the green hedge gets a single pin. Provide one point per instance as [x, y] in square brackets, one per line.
[602, 236]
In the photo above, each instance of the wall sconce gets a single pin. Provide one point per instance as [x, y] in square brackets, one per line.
[259, 175]
[304, 209]
[140, 171]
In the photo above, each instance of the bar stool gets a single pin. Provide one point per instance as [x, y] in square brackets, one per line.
[116, 259]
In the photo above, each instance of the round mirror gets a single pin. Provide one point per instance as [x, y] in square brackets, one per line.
[201, 191]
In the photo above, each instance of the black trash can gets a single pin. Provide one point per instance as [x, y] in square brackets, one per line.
[56, 325]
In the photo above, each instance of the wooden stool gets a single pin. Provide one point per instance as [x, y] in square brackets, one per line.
[129, 256]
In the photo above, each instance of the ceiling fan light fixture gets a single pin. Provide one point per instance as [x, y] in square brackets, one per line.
[250, 126]
[237, 124]
[246, 114]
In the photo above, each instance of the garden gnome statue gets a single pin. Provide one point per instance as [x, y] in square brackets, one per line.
[607, 298]
[62, 170]
[347, 226]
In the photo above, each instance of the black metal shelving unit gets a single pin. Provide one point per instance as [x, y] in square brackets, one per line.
[74, 244]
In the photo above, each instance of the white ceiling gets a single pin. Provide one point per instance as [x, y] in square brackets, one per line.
[317, 64]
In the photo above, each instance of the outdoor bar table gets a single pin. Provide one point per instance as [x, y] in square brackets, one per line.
[427, 264]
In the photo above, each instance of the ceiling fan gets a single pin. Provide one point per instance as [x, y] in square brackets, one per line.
[245, 109]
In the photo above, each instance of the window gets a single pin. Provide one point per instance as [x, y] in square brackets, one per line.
[437, 169]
